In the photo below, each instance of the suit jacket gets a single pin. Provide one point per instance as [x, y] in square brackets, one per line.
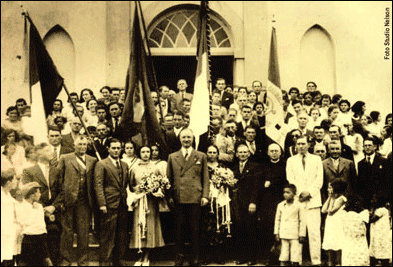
[226, 99]
[246, 189]
[309, 179]
[226, 146]
[69, 174]
[177, 98]
[346, 172]
[189, 179]
[373, 179]
[110, 190]
[35, 174]
[65, 150]
[68, 141]
[102, 148]
[346, 151]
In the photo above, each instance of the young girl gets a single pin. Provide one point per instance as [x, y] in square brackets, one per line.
[315, 120]
[355, 249]
[380, 242]
[334, 207]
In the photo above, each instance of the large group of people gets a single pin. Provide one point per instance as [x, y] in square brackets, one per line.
[328, 187]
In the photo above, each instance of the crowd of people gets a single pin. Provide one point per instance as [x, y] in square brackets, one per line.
[328, 189]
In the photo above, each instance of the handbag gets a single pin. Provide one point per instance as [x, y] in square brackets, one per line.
[276, 248]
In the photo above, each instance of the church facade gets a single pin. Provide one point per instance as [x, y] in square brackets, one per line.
[338, 45]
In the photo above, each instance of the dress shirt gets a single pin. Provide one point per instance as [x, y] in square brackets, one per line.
[45, 171]
[31, 217]
[241, 166]
[115, 160]
[336, 162]
[186, 151]
[371, 158]
[177, 130]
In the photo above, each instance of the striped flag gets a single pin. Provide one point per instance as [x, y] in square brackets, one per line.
[43, 81]
[275, 118]
[199, 113]
[139, 121]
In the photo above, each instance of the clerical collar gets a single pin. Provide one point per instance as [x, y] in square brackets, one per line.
[274, 161]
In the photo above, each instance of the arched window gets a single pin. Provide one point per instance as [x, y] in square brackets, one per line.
[175, 33]
[317, 59]
[61, 49]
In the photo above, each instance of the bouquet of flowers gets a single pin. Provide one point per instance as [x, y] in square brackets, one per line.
[154, 185]
[223, 177]
[221, 180]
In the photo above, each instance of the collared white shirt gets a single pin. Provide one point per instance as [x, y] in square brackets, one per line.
[45, 171]
[31, 217]
[115, 160]
[186, 151]
[242, 165]
[372, 157]
[114, 122]
[336, 162]
[177, 130]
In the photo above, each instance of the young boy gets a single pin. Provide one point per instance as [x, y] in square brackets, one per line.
[290, 227]
[30, 215]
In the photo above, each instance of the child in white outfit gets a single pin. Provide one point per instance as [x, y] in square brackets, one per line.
[290, 227]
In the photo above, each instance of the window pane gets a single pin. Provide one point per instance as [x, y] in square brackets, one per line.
[179, 20]
[172, 32]
[221, 35]
[188, 31]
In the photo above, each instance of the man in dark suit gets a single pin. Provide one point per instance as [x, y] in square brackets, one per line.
[55, 137]
[257, 150]
[101, 141]
[337, 168]
[44, 173]
[68, 139]
[226, 97]
[374, 176]
[182, 94]
[247, 119]
[335, 134]
[188, 174]
[244, 200]
[172, 136]
[164, 92]
[75, 174]
[110, 181]
[114, 122]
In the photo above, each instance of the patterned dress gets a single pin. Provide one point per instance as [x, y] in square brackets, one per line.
[355, 248]
[154, 233]
[380, 239]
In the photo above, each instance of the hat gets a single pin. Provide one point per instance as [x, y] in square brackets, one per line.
[26, 188]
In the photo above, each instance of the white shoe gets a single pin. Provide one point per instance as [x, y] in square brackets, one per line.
[138, 263]
[146, 263]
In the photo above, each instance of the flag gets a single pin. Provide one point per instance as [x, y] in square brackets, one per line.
[43, 80]
[139, 121]
[275, 118]
[199, 113]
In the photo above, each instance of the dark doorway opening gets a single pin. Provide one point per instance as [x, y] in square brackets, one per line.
[169, 69]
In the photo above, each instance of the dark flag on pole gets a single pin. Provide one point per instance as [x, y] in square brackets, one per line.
[42, 79]
[275, 118]
[139, 120]
[42, 70]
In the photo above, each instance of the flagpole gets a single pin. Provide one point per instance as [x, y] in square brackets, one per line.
[80, 118]
[210, 127]
[151, 61]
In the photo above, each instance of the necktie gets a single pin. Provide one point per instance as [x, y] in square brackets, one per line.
[241, 167]
[54, 160]
[116, 123]
[368, 159]
[186, 155]
[253, 148]
[119, 170]
[182, 95]
[304, 161]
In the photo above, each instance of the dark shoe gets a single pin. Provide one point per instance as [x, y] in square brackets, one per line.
[179, 261]
[241, 262]
[252, 262]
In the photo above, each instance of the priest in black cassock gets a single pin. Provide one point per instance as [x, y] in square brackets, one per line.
[270, 194]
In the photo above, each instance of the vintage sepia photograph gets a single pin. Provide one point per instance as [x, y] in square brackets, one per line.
[189, 133]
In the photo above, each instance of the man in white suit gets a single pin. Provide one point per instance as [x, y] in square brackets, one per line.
[306, 172]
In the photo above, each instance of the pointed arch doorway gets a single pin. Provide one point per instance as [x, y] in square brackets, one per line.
[173, 39]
